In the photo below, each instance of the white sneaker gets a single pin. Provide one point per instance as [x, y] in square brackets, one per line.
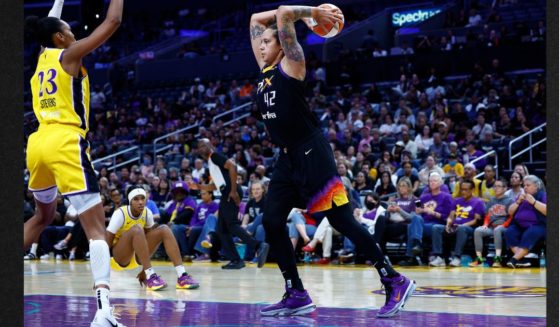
[30, 256]
[105, 319]
[72, 256]
[455, 262]
[45, 256]
[58, 257]
[437, 262]
[61, 245]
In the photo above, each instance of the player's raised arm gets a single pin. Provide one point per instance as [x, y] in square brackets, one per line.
[258, 24]
[294, 61]
[101, 34]
[56, 10]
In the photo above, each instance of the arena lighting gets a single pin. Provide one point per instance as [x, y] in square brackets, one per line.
[401, 18]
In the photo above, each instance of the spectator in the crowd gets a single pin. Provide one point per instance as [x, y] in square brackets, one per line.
[424, 140]
[439, 148]
[161, 194]
[362, 182]
[199, 169]
[388, 128]
[386, 186]
[178, 215]
[408, 172]
[394, 223]
[453, 167]
[522, 170]
[472, 153]
[466, 213]
[516, 187]
[432, 210]
[487, 190]
[301, 225]
[252, 218]
[481, 128]
[430, 167]
[116, 202]
[529, 223]
[409, 144]
[469, 174]
[151, 205]
[203, 210]
[496, 221]
[97, 99]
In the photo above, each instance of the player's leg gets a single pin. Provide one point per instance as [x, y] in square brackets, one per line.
[296, 299]
[163, 234]
[44, 215]
[228, 212]
[235, 229]
[398, 287]
[75, 177]
[43, 185]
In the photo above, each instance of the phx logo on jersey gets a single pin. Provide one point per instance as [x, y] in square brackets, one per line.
[265, 83]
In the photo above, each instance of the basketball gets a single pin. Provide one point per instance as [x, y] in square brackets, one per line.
[328, 30]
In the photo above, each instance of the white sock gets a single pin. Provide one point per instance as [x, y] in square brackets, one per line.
[34, 248]
[100, 261]
[149, 272]
[180, 270]
[102, 295]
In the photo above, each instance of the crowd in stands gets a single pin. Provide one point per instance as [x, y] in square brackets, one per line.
[381, 138]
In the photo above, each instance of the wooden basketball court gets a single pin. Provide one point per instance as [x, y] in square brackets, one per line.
[59, 293]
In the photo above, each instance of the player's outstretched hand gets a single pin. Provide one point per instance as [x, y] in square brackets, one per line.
[328, 16]
[142, 278]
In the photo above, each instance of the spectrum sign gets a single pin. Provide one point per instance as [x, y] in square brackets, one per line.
[402, 18]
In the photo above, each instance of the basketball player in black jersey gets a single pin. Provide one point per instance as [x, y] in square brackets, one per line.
[305, 173]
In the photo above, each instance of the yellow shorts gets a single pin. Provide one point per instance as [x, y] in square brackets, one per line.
[133, 264]
[58, 155]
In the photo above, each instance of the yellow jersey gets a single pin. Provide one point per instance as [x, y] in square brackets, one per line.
[58, 97]
[129, 221]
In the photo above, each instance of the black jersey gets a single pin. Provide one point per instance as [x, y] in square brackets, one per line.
[281, 102]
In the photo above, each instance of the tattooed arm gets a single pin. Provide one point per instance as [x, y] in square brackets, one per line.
[258, 23]
[293, 63]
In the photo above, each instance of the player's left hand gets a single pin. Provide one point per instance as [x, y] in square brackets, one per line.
[327, 16]
[142, 278]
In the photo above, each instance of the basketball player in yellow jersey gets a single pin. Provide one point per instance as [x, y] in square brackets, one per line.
[133, 234]
[58, 153]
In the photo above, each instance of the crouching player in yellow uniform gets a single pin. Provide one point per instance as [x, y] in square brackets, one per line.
[133, 237]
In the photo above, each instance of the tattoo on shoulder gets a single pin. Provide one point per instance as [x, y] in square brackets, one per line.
[256, 31]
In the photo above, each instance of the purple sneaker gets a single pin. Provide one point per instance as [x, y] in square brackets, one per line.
[294, 302]
[398, 290]
[186, 281]
[155, 283]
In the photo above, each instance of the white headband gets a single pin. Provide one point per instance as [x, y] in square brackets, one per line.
[135, 192]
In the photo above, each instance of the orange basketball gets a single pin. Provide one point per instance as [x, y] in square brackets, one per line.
[328, 30]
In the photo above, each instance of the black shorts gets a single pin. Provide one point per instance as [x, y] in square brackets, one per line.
[306, 175]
